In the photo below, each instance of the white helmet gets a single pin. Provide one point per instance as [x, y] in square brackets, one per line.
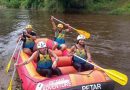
[81, 37]
[41, 45]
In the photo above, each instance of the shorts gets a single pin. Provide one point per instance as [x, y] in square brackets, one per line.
[30, 46]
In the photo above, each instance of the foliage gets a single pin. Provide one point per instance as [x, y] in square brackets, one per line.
[53, 5]
[96, 5]
[125, 9]
[13, 3]
[110, 6]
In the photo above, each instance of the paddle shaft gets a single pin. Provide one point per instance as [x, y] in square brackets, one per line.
[89, 62]
[86, 34]
[118, 77]
[16, 62]
[15, 49]
[64, 23]
[8, 66]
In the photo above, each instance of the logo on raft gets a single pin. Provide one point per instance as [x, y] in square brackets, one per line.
[54, 84]
[92, 87]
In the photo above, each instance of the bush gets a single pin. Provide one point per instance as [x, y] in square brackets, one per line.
[125, 9]
[54, 6]
[13, 4]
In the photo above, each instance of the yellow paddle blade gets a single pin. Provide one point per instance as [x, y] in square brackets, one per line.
[117, 76]
[10, 85]
[8, 66]
[86, 34]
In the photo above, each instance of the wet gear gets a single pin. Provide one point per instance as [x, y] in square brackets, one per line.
[79, 64]
[44, 65]
[81, 37]
[44, 61]
[41, 45]
[80, 53]
[59, 37]
[29, 27]
[49, 72]
[28, 42]
[82, 67]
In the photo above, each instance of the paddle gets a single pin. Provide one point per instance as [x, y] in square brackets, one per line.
[11, 80]
[118, 77]
[8, 65]
[86, 34]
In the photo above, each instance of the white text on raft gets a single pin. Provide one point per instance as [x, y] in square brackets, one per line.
[92, 87]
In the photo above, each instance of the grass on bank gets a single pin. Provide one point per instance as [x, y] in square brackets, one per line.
[94, 6]
[125, 10]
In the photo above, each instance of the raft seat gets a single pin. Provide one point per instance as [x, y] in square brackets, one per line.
[65, 64]
[58, 52]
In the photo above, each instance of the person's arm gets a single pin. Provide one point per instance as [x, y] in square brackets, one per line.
[68, 28]
[71, 52]
[33, 37]
[54, 55]
[20, 37]
[88, 54]
[54, 65]
[33, 57]
[53, 23]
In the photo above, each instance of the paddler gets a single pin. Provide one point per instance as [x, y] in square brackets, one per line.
[45, 66]
[28, 37]
[60, 32]
[81, 50]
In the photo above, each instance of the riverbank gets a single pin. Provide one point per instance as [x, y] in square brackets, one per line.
[116, 7]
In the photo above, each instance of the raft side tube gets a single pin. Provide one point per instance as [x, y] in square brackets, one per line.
[94, 86]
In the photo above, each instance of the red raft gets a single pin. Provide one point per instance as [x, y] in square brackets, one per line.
[70, 80]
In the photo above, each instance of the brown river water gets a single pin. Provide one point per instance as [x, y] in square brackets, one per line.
[110, 44]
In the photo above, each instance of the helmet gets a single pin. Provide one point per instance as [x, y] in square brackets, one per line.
[29, 27]
[60, 25]
[81, 37]
[41, 45]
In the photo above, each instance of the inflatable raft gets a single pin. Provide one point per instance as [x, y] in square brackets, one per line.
[70, 80]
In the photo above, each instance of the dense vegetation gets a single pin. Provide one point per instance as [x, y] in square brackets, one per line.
[109, 6]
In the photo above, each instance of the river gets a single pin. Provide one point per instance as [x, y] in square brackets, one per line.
[109, 46]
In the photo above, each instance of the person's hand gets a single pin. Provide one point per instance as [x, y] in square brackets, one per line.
[69, 54]
[16, 65]
[26, 33]
[67, 25]
[52, 18]
[54, 64]
[90, 60]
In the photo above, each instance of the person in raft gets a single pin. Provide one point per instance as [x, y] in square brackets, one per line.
[59, 37]
[82, 51]
[28, 38]
[45, 66]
